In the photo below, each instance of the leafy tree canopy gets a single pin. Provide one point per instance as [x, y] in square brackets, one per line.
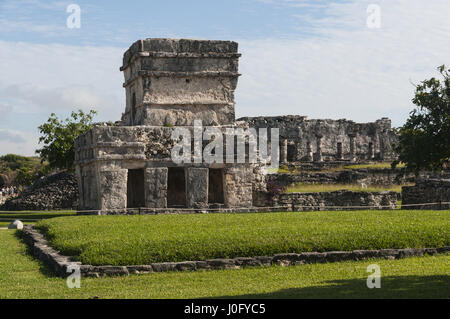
[424, 141]
[58, 138]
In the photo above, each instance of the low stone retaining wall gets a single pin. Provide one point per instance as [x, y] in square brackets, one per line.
[435, 192]
[338, 200]
[58, 263]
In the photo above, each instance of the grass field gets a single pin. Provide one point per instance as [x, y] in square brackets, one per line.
[283, 169]
[133, 240]
[315, 188]
[21, 276]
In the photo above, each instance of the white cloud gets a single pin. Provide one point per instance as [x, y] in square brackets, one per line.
[5, 109]
[39, 79]
[10, 136]
[17, 142]
[60, 78]
[344, 69]
[339, 69]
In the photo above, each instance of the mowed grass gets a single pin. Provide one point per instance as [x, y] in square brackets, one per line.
[134, 240]
[22, 276]
[319, 188]
[283, 169]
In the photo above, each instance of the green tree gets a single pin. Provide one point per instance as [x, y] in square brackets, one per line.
[58, 138]
[424, 140]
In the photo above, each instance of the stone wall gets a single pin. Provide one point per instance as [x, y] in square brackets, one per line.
[436, 192]
[330, 140]
[338, 200]
[348, 176]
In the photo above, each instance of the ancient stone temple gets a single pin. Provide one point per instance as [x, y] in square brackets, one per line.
[175, 84]
[168, 83]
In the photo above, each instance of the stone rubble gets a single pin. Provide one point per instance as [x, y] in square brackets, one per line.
[56, 191]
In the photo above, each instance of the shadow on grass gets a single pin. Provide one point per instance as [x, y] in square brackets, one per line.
[391, 287]
[33, 216]
[44, 269]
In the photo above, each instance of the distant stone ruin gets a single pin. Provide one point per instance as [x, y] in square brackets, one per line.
[171, 83]
[303, 140]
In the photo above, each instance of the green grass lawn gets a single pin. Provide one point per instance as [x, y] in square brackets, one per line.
[283, 169]
[21, 276]
[317, 188]
[134, 240]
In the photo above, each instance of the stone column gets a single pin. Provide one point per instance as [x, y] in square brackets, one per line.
[339, 154]
[113, 189]
[371, 154]
[284, 143]
[197, 187]
[156, 187]
[309, 152]
[239, 186]
[318, 155]
[352, 146]
[381, 148]
[79, 175]
[299, 154]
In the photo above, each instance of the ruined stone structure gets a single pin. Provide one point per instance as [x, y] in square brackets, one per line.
[174, 82]
[168, 83]
[427, 194]
[303, 140]
[338, 200]
[171, 83]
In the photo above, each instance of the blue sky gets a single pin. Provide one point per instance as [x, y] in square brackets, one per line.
[122, 22]
[308, 57]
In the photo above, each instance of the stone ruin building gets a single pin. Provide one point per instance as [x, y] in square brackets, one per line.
[317, 141]
[170, 83]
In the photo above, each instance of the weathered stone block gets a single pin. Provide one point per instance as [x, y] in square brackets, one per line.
[156, 187]
[197, 187]
[113, 189]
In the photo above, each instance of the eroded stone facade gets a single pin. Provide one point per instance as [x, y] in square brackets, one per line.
[174, 82]
[168, 83]
[303, 140]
